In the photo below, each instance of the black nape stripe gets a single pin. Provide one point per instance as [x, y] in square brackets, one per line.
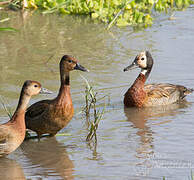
[67, 80]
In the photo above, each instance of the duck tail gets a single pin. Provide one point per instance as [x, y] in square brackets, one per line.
[184, 91]
[188, 91]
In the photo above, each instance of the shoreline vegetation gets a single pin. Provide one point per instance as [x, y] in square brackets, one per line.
[110, 12]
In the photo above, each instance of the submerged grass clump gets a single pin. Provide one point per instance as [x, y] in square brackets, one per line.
[119, 12]
[10, 29]
[6, 108]
[92, 106]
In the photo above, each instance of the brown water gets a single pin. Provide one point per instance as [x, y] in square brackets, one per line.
[137, 144]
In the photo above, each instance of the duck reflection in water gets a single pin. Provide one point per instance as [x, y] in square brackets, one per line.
[51, 156]
[139, 118]
[10, 169]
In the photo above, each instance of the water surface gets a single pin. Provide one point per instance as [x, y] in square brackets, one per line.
[138, 144]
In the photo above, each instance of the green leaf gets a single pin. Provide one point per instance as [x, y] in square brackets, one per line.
[122, 22]
[94, 15]
[3, 20]
[140, 18]
[8, 29]
[63, 134]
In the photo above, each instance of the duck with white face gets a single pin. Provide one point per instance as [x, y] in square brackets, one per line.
[141, 95]
[144, 61]
[12, 133]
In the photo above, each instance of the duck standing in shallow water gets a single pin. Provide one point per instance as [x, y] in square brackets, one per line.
[141, 95]
[13, 132]
[50, 116]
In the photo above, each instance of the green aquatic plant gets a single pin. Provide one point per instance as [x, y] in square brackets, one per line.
[4, 20]
[8, 29]
[91, 103]
[119, 12]
[6, 108]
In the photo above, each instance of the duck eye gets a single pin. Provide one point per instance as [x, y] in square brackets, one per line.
[142, 58]
[35, 85]
[70, 61]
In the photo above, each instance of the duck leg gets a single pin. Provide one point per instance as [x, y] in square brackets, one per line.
[38, 136]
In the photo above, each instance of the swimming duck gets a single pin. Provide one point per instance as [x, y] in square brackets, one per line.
[50, 116]
[141, 95]
[12, 133]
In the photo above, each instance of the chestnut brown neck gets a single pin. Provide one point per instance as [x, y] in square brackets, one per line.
[64, 75]
[135, 95]
[65, 84]
[140, 81]
[21, 108]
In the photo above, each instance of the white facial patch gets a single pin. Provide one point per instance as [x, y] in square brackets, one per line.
[142, 60]
[144, 71]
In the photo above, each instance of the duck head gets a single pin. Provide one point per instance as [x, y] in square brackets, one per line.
[31, 88]
[69, 63]
[144, 61]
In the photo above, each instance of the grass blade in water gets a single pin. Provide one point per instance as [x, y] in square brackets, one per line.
[7, 110]
[4, 20]
[8, 29]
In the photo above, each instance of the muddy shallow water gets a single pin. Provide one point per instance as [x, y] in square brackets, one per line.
[137, 144]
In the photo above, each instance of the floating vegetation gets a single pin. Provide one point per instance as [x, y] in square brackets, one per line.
[31, 135]
[119, 12]
[63, 134]
[92, 101]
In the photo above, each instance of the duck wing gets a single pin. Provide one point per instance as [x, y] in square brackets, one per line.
[159, 90]
[4, 134]
[164, 93]
[37, 109]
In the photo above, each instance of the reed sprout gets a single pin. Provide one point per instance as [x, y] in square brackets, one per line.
[92, 106]
[6, 108]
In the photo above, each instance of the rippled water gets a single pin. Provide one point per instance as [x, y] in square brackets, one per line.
[138, 144]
